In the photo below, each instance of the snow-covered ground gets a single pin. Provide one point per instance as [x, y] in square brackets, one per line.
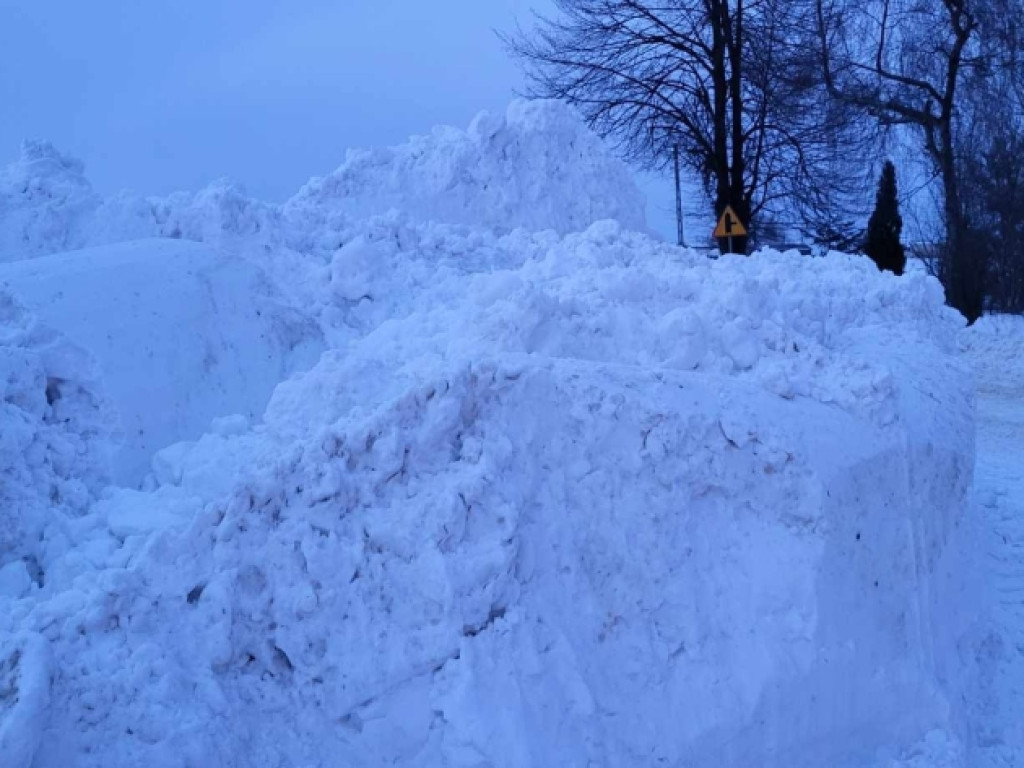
[995, 347]
[555, 493]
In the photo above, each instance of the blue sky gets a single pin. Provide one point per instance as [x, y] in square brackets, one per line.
[158, 96]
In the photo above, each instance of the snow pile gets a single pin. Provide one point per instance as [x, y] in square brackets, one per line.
[53, 445]
[220, 214]
[45, 203]
[596, 506]
[555, 494]
[536, 167]
[181, 333]
[995, 345]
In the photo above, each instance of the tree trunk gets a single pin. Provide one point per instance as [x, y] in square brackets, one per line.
[737, 190]
[727, 49]
[962, 273]
[720, 83]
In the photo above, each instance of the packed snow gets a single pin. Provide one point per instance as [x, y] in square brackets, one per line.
[181, 335]
[554, 493]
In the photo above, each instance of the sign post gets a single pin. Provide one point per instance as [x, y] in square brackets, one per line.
[729, 226]
[680, 233]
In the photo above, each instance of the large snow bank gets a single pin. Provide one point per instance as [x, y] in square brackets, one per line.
[608, 504]
[181, 333]
[550, 499]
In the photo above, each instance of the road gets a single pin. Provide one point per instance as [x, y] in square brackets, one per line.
[996, 724]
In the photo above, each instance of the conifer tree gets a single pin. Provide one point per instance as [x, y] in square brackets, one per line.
[882, 243]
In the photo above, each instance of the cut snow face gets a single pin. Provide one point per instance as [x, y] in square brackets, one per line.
[181, 335]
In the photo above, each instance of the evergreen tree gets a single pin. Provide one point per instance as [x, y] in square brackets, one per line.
[885, 225]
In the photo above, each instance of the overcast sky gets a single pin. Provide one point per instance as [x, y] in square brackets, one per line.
[158, 96]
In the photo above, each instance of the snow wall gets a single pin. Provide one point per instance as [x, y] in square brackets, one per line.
[550, 499]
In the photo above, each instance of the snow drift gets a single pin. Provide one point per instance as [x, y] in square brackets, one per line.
[550, 499]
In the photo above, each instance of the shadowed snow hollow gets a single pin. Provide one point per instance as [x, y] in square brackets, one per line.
[181, 334]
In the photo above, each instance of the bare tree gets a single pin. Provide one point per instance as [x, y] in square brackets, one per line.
[729, 83]
[994, 177]
[992, 171]
[903, 62]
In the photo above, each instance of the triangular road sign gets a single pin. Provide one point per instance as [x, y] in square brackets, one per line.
[729, 225]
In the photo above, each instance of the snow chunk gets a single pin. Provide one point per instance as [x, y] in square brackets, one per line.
[15, 580]
[45, 202]
[25, 670]
[130, 513]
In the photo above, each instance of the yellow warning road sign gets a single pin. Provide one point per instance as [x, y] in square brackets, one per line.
[729, 225]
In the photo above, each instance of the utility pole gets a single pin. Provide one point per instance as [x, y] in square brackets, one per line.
[680, 233]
